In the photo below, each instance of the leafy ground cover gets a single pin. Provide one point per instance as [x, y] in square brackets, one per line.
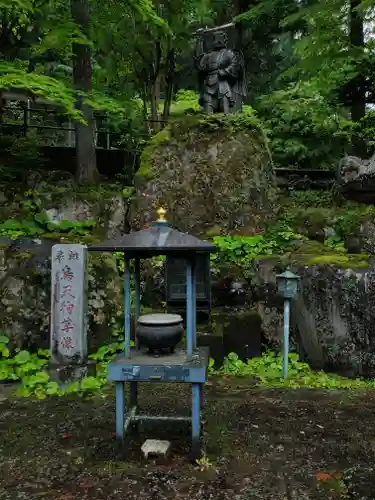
[259, 443]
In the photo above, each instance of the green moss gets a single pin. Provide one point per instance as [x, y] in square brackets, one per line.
[344, 261]
[145, 171]
[212, 232]
[215, 123]
[24, 256]
[193, 126]
[52, 236]
[308, 247]
[297, 200]
[312, 253]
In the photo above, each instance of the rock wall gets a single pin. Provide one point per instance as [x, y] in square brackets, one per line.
[25, 262]
[25, 287]
[56, 195]
[332, 318]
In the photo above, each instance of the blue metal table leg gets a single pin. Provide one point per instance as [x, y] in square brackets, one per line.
[196, 422]
[120, 411]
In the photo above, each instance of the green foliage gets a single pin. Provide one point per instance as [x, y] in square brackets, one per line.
[336, 243]
[22, 154]
[22, 365]
[365, 129]
[14, 76]
[325, 54]
[267, 371]
[240, 251]
[41, 227]
[37, 224]
[186, 101]
[349, 222]
[30, 370]
[136, 52]
[304, 130]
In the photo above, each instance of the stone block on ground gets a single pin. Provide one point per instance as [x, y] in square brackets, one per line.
[155, 448]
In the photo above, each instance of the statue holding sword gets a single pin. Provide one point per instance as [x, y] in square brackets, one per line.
[221, 72]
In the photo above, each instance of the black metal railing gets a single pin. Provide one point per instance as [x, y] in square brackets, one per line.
[21, 118]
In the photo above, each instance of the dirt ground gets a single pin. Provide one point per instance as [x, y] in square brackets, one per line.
[260, 444]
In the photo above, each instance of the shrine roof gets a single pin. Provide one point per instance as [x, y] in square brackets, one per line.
[159, 239]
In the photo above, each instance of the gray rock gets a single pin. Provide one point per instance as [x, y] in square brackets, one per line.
[356, 179]
[155, 447]
[332, 319]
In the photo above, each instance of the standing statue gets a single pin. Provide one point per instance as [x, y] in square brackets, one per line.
[221, 74]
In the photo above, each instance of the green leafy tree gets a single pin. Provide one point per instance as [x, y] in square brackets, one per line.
[20, 21]
[335, 55]
[52, 50]
[305, 130]
[153, 49]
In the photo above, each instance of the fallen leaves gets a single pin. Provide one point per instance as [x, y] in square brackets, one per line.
[323, 476]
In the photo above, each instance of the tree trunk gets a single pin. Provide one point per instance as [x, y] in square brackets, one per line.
[241, 6]
[169, 83]
[358, 92]
[154, 104]
[86, 171]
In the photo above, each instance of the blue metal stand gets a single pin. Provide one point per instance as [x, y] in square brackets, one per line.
[189, 311]
[133, 365]
[140, 367]
[120, 410]
[286, 338]
[195, 420]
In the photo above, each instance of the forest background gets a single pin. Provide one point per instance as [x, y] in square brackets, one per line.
[309, 67]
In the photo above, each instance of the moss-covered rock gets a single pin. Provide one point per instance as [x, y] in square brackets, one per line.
[56, 196]
[333, 316]
[25, 294]
[210, 173]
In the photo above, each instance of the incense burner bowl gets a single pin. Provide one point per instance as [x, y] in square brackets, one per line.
[159, 332]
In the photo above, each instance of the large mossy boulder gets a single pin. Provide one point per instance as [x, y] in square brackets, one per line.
[212, 173]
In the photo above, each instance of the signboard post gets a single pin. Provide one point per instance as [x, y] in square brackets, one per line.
[69, 305]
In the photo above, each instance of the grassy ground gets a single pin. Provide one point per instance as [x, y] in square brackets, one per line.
[261, 444]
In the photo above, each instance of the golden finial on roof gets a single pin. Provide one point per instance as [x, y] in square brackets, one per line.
[161, 214]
